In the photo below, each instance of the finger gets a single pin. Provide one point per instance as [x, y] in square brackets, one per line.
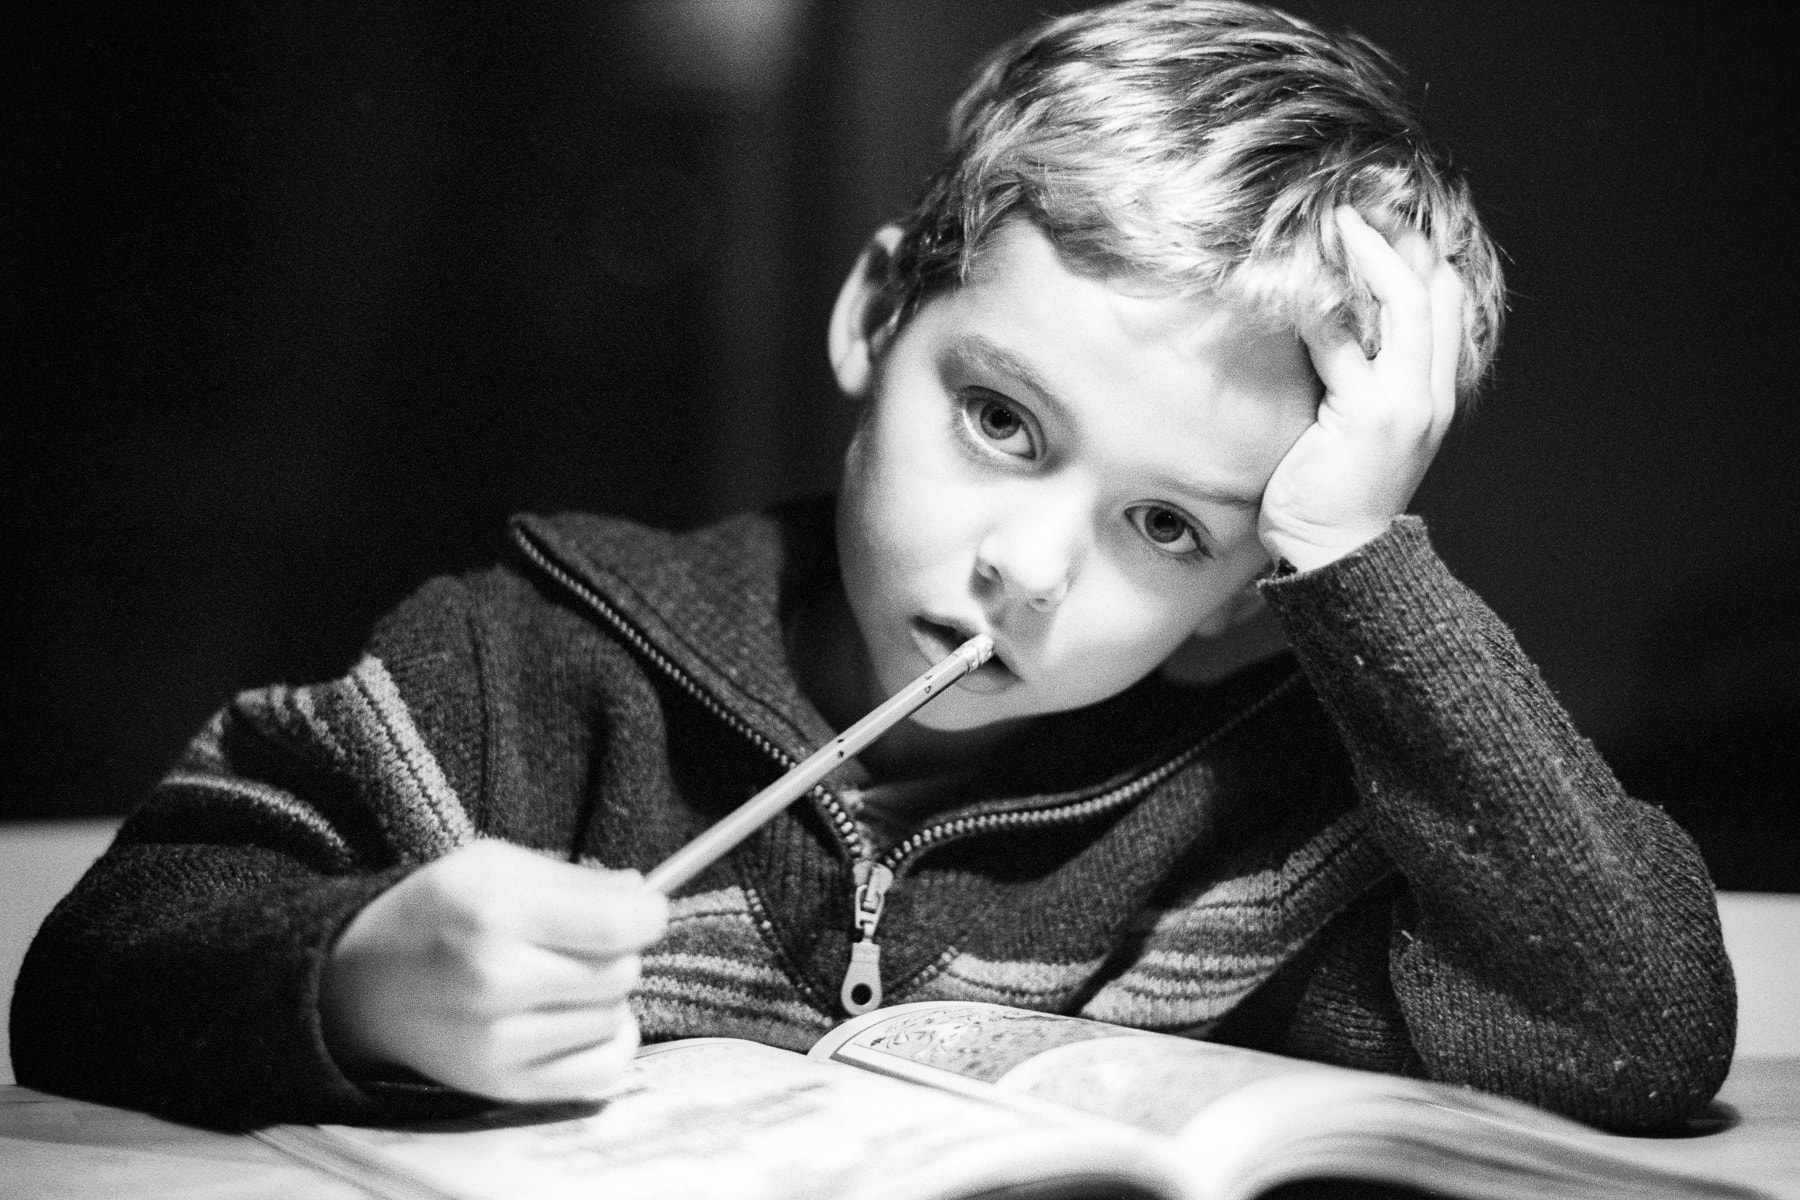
[1414, 249]
[583, 1072]
[610, 981]
[594, 914]
[496, 885]
[1447, 299]
[527, 1041]
[525, 977]
[1337, 357]
[495, 977]
[1405, 311]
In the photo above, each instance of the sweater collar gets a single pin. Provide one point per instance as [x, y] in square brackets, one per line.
[712, 602]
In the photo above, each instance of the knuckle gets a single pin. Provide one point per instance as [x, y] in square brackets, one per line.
[508, 1039]
[634, 924]
[613, 1021]
[487, 1063]
[594, 1070]
[476, 971]
[626, 1038]
[446, 948]
[488, 981]
[624, 974]
[622, 928]
[585, 1072]
[1382, 421]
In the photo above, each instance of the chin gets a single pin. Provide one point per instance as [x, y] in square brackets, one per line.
[959, 712]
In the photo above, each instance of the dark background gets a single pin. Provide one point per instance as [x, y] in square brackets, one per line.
[307, 297]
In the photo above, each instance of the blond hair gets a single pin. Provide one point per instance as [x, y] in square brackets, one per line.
[1198, 145]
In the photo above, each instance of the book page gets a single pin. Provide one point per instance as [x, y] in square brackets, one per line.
[711, 1119]
[1148, 1080]
[1249, 1120]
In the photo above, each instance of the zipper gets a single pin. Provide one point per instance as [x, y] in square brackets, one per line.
[861, 990]
[873, 875]
[840, 817]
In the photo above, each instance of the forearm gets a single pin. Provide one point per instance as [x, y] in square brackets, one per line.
[183, 972]
[185, 980]
[1558, 940]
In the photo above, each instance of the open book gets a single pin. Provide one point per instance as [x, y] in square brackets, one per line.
[955, 1101]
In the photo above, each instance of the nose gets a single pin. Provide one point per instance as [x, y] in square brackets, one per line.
[1032, 555]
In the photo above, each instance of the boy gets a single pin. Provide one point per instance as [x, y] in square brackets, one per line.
[1146, 381]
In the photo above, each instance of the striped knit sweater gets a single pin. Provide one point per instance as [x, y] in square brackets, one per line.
[1387, 849]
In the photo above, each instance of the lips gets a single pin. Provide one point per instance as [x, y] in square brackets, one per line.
[936, 639]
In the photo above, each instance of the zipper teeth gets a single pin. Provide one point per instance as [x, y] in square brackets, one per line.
[916, 844]
[846, 826]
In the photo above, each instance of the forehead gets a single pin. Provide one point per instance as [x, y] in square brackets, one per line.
[1020, 267]
[1178, 375]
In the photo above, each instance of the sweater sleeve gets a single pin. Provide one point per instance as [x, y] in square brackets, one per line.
[1555, 940]
[182, 973]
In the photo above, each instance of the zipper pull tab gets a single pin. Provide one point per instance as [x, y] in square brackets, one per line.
[862, 979]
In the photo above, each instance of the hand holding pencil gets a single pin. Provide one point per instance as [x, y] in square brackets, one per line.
[507, 973]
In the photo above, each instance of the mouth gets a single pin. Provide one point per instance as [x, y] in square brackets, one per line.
[936, 639]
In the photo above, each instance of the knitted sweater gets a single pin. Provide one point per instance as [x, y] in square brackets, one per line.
[1393, 853]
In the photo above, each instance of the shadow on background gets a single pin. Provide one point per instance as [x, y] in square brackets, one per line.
[311, 296]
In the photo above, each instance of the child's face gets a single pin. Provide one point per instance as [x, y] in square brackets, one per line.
[1069, 466]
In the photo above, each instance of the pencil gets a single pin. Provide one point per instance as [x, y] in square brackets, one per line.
[755, 812]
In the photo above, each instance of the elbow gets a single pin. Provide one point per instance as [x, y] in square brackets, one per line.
[1652, 1084]
[1658, 1053]
[1643, 1066]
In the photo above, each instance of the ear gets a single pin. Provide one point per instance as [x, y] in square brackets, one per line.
[861, 322]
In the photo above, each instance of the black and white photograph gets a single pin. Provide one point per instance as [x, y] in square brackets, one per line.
[910, 599]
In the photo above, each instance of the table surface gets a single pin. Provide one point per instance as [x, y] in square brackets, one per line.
[54, 1147]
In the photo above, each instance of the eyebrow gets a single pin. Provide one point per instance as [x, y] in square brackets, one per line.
[979, 351]
[1246, 501]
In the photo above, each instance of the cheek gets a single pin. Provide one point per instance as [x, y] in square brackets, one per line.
[893, 517]
[1121, 632]
[1131, 620]
[904, 483]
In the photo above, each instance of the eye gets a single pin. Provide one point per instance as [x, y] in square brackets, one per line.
[999, 424]
[1167, 530]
